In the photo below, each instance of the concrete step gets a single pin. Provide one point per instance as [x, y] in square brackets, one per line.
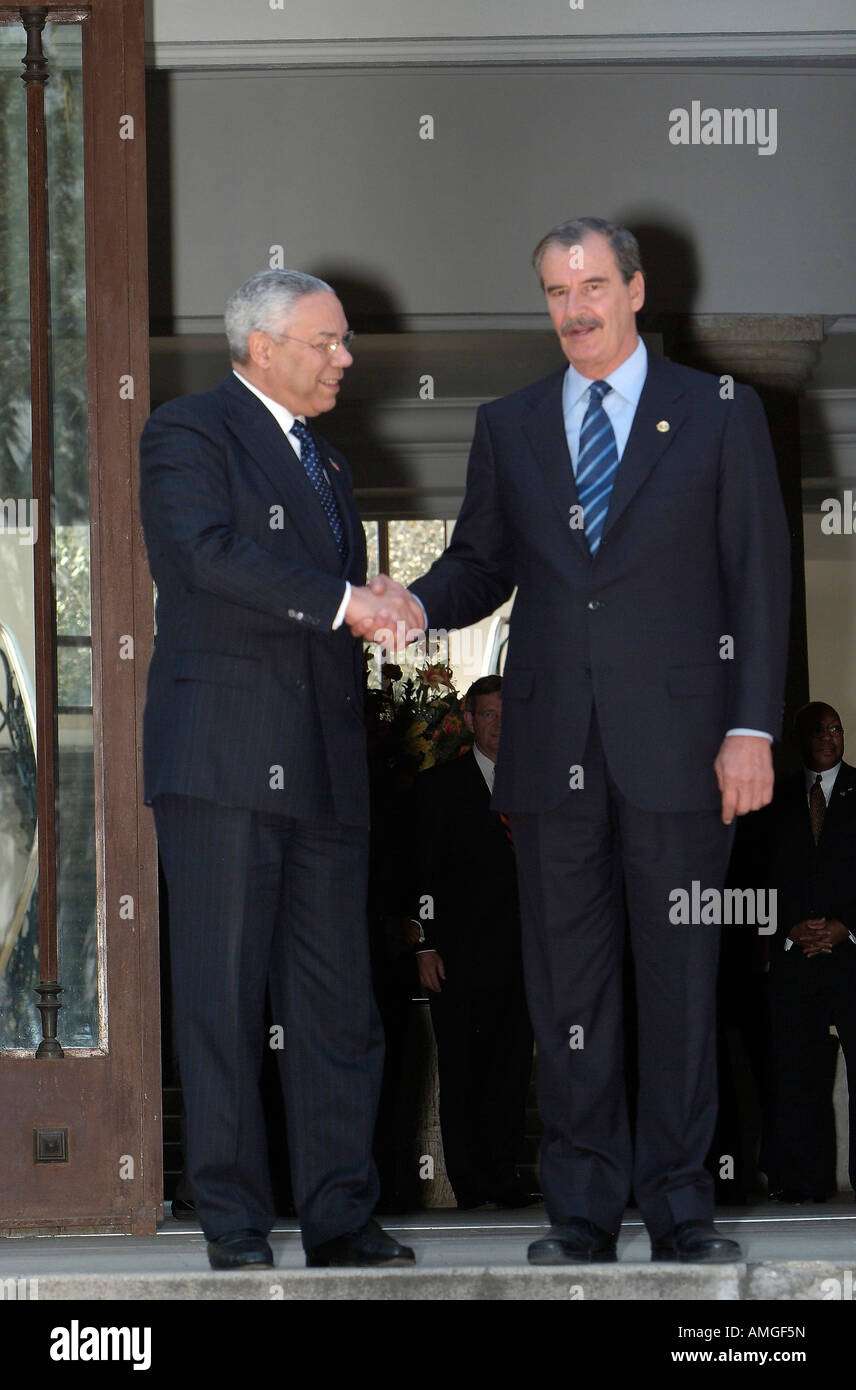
[789, 1254]
[463, 1284]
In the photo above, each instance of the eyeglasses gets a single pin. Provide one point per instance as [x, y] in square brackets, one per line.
[330, 347]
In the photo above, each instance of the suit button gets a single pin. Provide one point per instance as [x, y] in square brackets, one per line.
[595, 603]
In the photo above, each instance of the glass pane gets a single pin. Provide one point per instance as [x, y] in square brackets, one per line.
[77, 937]
[19, 927]
[76, 927]
[372, 548]
[413, 548]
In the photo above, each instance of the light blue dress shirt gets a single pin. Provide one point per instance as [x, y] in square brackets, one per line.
[620, 403]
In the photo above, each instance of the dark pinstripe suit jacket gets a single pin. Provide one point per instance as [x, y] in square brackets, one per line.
[813, 880]
[695, 548]
[252, 700]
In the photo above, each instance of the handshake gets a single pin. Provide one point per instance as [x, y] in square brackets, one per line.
[385, 612]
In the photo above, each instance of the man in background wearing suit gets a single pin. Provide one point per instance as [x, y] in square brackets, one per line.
[813, 963]
[471, 964]
[255, 765]
[635, 505]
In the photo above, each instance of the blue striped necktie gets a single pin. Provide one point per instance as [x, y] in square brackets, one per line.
[596, 465]
[311, 460]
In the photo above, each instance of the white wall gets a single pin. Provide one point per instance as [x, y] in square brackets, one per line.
[230, 20]
[331, 166]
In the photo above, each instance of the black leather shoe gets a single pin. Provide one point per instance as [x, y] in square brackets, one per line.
[240, 1250]
[695, 1242]
[573, 1242]
[370, 1246]
[182, 1210]
[792, 1197]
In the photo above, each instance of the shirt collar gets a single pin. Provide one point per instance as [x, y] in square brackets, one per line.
[488, 768]
[827, 778]
[280, 413]
[626, 381]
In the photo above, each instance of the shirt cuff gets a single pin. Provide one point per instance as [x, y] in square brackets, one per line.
[421, 605]
[750, 733]
[340, 616]
[789, 943]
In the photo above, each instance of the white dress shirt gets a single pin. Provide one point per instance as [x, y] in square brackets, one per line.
[827, 781]
[285, 420]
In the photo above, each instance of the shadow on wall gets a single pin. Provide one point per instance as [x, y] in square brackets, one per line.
[353, 426]
[672, 275]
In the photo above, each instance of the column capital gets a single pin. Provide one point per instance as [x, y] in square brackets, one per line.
[766, 350]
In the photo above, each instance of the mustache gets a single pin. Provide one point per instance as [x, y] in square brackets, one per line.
[582, 321]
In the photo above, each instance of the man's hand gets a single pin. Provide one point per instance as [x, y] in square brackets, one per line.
[384, 612]
[818, 936]
[384, 587]
[431, 970]
[744, 771]
[400, 934]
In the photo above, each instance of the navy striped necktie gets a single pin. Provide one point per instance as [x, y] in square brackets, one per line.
[314, 468]
[597, 464]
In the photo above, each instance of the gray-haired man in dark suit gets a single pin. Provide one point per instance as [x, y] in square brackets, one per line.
[255, 766]
[635, 505]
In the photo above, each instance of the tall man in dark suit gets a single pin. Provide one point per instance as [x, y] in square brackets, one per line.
[813, 961]
[255, 766]
[470, 962]
[635, 505]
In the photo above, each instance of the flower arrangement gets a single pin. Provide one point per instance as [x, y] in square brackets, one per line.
[415, 721]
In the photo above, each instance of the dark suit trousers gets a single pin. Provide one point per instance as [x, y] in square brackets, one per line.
[572, 864]
[484, 1057]
[257, 899]
[807, 995]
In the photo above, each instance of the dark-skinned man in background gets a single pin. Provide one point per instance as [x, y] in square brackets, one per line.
[811, 827]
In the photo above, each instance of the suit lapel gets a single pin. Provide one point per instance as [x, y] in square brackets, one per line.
[477, 787]
[843, 792]
[544, 427]
[795, 805]
[660, 403]
[260, 435]
[543, 423]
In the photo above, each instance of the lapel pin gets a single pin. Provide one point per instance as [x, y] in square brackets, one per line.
[334, 465]
[663, 426]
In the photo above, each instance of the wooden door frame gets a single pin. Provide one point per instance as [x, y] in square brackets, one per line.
[108, 1098]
